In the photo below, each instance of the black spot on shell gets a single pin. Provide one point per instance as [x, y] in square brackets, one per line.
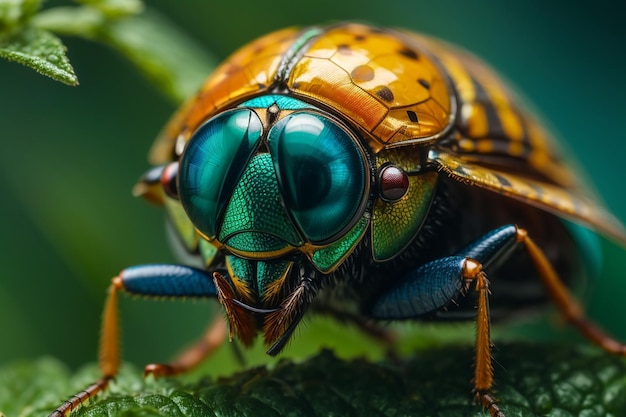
[362, 73]
[424, 83]
[409, 53]
[385, 94]
[344, 49]
[412, 115]
[359, 38]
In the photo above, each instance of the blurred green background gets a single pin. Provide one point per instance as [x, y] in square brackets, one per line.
[70, 155]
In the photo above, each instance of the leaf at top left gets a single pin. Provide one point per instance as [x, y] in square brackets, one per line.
[41, 51]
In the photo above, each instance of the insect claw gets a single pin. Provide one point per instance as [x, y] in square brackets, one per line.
[158, 370]
[489, 403]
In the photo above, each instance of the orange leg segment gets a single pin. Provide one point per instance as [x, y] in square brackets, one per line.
[483, 368]
[566, 303]
[193, 355]
[80, 398]
[109, 358]
[152, 281]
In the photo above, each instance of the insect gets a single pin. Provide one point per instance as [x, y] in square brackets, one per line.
[373, 172]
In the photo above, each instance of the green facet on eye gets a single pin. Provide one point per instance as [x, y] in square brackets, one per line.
[212, 164]
[326, 259]
[321, 173]
[255, 242]
[255, 205]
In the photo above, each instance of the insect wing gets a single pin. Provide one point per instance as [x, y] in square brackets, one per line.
[546, 196]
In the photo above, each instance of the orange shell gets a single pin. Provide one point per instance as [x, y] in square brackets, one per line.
[250, 70]
[400, 88]
[382, 81]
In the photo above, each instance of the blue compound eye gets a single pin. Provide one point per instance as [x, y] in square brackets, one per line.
[212, 164]
[321, 173]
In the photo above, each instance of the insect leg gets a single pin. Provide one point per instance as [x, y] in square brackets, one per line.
[566, 303]
[146, 280]
[213, 338]
[433, 285]
[424, 290]
[489, 249]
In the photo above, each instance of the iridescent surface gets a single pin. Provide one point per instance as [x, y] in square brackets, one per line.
[259, 275]
[327, 258]
[398, 89]
[269, 273]
[255, 219]
[283, 102]
[395, 224]
[249, 70]
[321, 173]
[213, 163]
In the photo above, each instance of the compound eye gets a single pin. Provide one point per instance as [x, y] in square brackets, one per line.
[394, 183]
[169, 180]
[321, 173]
[213, 161]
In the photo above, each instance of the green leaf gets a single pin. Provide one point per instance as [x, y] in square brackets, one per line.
[167, 56]
[42, 51]
[175, 63]
[23, 385]
[550, 380]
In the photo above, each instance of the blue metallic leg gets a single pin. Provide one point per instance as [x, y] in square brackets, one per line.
[153, 281]
[160, 281]
[426, 289]
[168, 281]
[172, 281]
[433, 285]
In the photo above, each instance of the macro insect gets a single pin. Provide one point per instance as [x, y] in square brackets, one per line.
[373, 172]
